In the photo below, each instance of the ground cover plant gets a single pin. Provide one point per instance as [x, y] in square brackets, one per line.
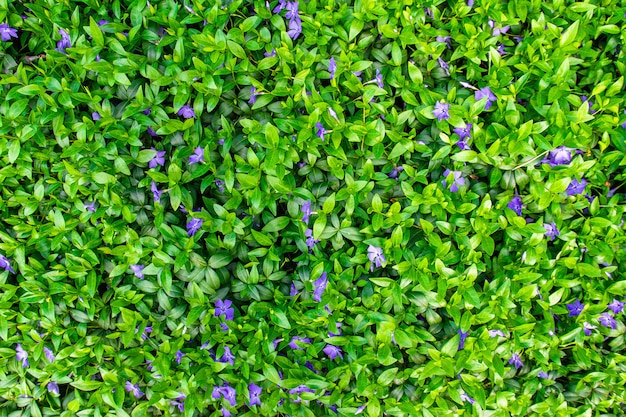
[364, 207]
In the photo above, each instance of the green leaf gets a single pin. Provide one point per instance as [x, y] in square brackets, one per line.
[220, 260]
[569, 35]
[279, 318]
[276, 224]
[86, 385]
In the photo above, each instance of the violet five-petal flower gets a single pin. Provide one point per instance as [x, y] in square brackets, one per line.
[134, 389]
[332, 67]
[458, 180]
[137, 270]
[516, 361]
[559, 156]
[462, 336]
[496, 333]
[7, 32]
[151, 132]
[485, 92]
[186, 111]
[294, 342]
[444, 65]
[179, 402]
[310, 240]
[95, 116]
[576, 187]
[607, 320]
[376, 257]
[90, 206]
[227, 356]
[53, 387]
[306, 211]
[197, 156]
[223, 308]
[575, 308]
[253, 95]
[616, 306]
[516, 205]
[179, 356]
[295, 28]
[255, 394]
[543, 375]
[320, 286]
[588, 327]
[156, 194]
[49, 354]
[441, 111]
[21, 355]
[320, 130]
[65, 41]
[193, 226]
[551, 230]
[157, 160]
[464, 132]
[379, 78]
[467, 398]
[395, 172]
[6, 264]
[332, 352]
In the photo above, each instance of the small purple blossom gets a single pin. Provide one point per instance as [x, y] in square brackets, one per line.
[463, 335]
[576, 187]
[269, 54]
[179, 356]
[95, 116]
[310, 241]
[157, 160]
[6, 264]
[616, 306]
[280, 6]
[65, 41]
[300, 389]
[320, 286]
[146, 332]
[445, 39]
[151, 132]
[49, 354]
[295, 346]
[444, 65]
[464, 132]
[516, 205]
[559, 156]
[306, 211]
[255, 393]
[338, 324]
[7, 32]
[292, 10]
[551, 230]
[294, 291]
[458, 181]
[156, 194]
[543, 375]
[187, 112]
[295, 28]
[53, 388]
[332, 113]
[253, 95]
[587, 328]
[332, 67]
[376, 257]
[332, 352]
[441, 111]
[395, 172]
[180, 402]
[607, 320]
[147, 111]
[137, 270]
[485, 92]
[193, 226]
[320, 130]
[223, 308]
[496, 333]
[220, 185]
[134, 389]
[227, 356]
[379, 78]
[103, 22]
[516, 361]
[90, 206]
[197, 156]
[467, 398]
[500, 31]
[575, 308]
[21, 355]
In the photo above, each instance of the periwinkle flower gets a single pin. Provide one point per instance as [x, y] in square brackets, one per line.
[21, 355]
[516, 205]
[180, 402]
[376, 257]
[90, 206]
[332, 113]
[295, 28]
[95, 116]
[559, 156]
[269, 54]
[320, 130]
[500, 30]
[441, 111]
[151, 132]
[225, 412]
[306, 211]
[197, 156]
[516, 361]
[230, 395]
[395, 172]
[6, 264]
[227, 356]
[338, 324]
[147, 111]
[134, 389]
[156, 194]
[576, 187]
[458, 181]
[146, 332]
[157, 160]
[255, 394]
[463, 335]
[464, 132]
[607, 320]
[496, 333]
[53, 387]
[575, 308]
[193, 226]
[332, 352]
[616, 306]
[332, 67]
[543, 375]
[280, 6]
[223, 308]
[187, 112]
[551, 230]
[179, 356]
[444, 65]
[467, 398]
[310, 241]
[7, 32]
[379, 78]
[587, 328]
[49, 354]
[220, 185]
[300, 389]
[292, 10]
[253, 95]
[444, 39]
[294, 291]
[137, 270]
[485, 92]
[295, 346]
[65, 41]
[320, 286]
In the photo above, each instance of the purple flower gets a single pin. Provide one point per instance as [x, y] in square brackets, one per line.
[156, 194]
[306, 211]
[187, 112]
[464, 132]
[616, 306]
[467, 398]
[147, 111]
[395, 172]
[180, 402]
[6, 264]
[516, 361]
[137, 269]
[157, 160]
[338, 324]
[223, 308]
[292, 10]
[543, 375]
[559, 156]
[65, 41]
[458, 181]
[379, 78]
[470, 3]
[255, 392]
[441, 111]
[376, 257]
[607, 320]
[225, 412]
[268, 54]
[7, 32]
[320, 286]
[495, 333]
[21, 355]
[134, 389]
[253, 95]
[587, 328]
[575, 308]
[444, 65]
[320, 130]
[332, 352]
[151, 132]
[300, 389]
[102, 22]
[293, 345]
[227, 356]
[230, 395]
[49, 354]
[280, 6]
[90, 206]
[295, 28]
[575, 187]
[197, 156]
[224, 327]
[332, 67]
[551, 230]
[485, 92]
[357, 74]
[95, 116]
[310, 241]
[179, 356]
[463, 335]
[292, 293]
[516, 205]
[53, 387]
[193, 226]
[444, 39]
[146, 332]
[500, 31]
[333, 114]
[220, 185]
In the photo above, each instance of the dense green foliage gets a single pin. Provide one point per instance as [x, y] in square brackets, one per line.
[406, 209]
